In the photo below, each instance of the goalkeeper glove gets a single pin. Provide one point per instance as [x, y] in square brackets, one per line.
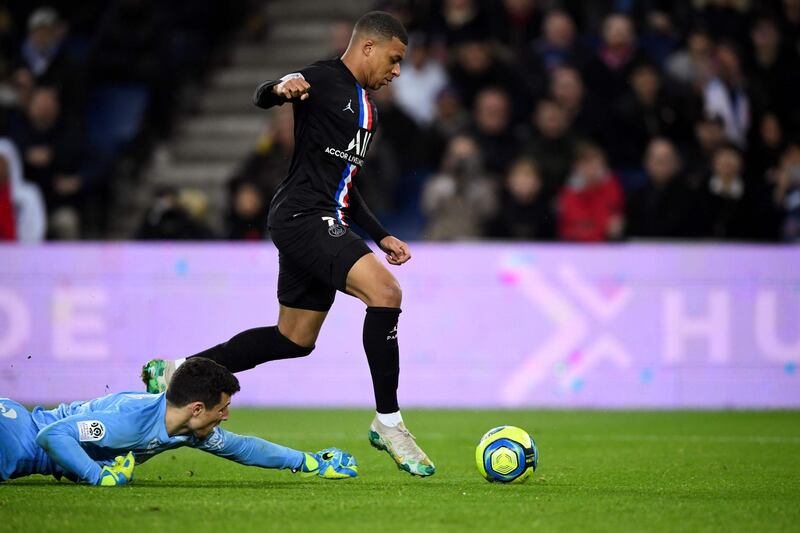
[330, 463]
[120, 473]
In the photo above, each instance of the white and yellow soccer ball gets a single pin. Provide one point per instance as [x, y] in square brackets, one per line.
[506, 454]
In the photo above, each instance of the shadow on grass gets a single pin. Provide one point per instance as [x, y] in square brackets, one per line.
[218, 484]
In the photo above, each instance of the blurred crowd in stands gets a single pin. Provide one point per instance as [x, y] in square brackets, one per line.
[512, 119]
[86, 89]
[593, 121]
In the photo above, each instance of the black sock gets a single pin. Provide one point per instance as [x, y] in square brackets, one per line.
[383, 355]
[253, 347]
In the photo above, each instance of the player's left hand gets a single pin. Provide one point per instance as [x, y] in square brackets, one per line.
[119, 473]
[397, 252]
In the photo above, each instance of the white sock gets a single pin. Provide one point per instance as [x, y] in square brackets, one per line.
[390, 419]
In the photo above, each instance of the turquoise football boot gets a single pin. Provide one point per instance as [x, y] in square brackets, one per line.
[402, 447]
[156, 374]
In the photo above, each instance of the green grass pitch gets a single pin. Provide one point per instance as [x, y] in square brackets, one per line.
[598, 471]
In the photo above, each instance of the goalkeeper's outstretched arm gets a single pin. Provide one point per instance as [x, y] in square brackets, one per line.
[251, 451]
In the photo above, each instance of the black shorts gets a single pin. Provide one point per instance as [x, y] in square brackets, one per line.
[315, 255]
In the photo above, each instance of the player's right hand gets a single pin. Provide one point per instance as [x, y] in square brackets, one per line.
[120, 473]
[293, 88]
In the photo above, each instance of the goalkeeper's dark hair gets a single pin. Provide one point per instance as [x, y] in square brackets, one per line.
[381, 24]
[200, 380]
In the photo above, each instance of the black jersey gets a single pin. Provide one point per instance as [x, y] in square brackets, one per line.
[333, 129]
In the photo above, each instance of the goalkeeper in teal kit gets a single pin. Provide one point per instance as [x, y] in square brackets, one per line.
[100, 441]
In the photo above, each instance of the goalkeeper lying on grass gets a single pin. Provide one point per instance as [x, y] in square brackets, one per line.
[101, 440]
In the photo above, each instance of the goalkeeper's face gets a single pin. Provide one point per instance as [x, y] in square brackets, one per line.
[204, 420]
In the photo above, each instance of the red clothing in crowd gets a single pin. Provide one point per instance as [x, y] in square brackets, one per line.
[7, 227]
[585, 213]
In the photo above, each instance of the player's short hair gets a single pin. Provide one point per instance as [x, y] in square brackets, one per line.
[381, 24]
[200, 380]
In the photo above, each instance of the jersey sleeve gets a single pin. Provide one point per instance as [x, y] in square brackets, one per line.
[265, 98]
[362, 215]
[64, 441]
[251, 451]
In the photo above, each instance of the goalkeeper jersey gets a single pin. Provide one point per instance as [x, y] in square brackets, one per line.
[77, 439]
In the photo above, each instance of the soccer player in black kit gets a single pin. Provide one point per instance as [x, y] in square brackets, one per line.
[309, 220]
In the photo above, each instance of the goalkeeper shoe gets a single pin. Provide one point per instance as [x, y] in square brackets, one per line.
[330, 463]
[400, 444]
[156, 374]
[120, 473]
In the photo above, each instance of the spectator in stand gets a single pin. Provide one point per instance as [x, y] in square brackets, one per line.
[27, 212]
[786, 193]
[44, 60]
[727, 203]
[608, 71]
[422, 80]
[8, 230]
[475, 68]
[458, 20]
[766, 146]
[649, 110]
[659, 37]
[726, 95]
[591, 206]
[568, 91]
[558, 47]
[268, 163]
[790, 24]
[693, 65]
[774, 74]
[51, 152]
[524, 213]
[247, 211]
[517, 25]
[461, 199]
[709, 135]
[492, 130]
[173, 216]
[664, 206]
[451, 119]
[552, 146]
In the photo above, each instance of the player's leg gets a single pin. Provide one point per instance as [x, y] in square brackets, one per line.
[249, 348]
[304, 295]
[293, 336]
[374, 285]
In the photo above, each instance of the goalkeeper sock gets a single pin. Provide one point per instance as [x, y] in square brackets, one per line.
[383, 355]
[253, 347]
